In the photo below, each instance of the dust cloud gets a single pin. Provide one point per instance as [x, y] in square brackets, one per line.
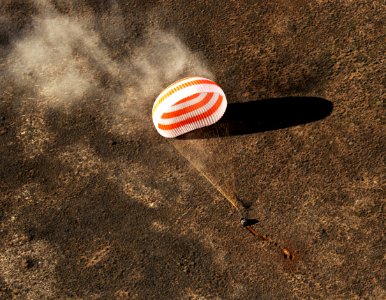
[46, 59]
[63, 58]
[163, 59]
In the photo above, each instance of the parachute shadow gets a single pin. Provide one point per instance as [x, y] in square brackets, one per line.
[264, 115]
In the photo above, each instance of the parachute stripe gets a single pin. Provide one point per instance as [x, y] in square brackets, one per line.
[168, 106]
[191, 97]
[194, 119]
[187, 109]
[189, 114]
[163, 96]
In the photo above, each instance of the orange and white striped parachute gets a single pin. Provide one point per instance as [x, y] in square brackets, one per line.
[188, 104]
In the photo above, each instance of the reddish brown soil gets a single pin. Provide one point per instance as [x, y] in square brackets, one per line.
[94, 204]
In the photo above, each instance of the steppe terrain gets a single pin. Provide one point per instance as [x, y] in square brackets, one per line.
[95, 204]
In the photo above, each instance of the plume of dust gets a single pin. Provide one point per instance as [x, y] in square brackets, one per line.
[57, 63]
[63, 58]
[60, 58]
[163, 59]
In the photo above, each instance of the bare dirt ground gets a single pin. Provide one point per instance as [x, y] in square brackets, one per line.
[94, 204]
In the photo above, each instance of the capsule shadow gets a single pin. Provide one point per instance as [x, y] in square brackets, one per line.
[264, 115]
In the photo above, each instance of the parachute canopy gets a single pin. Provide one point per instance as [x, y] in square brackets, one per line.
[188, 104]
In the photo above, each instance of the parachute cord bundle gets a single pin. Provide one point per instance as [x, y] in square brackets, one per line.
[189, 104]
[238, 205]
[232, 199]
